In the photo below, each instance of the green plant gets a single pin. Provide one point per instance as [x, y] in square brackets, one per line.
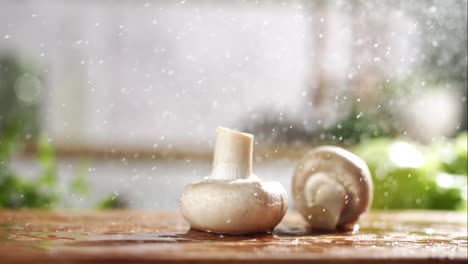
[19, 104]
[358, 126]
[407, 175]
[44, 191]
[453, 154]
[15, 192]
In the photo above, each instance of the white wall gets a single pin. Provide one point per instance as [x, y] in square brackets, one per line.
[136, 74]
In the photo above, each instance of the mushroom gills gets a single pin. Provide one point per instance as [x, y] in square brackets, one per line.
[327, 203]
[333, 187]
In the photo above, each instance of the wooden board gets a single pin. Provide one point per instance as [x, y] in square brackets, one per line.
[134, 237]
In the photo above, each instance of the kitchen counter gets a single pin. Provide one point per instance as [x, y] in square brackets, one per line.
[121, 236]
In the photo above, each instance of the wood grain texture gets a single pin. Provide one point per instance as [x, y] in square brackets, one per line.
[163, 237]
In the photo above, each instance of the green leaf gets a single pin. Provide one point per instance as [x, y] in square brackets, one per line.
[46, 159]
[109, 202]
[80, 184]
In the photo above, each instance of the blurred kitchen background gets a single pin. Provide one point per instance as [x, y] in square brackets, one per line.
[107, 104]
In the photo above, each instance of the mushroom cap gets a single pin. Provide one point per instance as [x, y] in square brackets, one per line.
[347, 171]
[240, 206]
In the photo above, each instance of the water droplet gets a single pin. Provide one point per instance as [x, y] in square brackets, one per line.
[429, 231]
[355, 228]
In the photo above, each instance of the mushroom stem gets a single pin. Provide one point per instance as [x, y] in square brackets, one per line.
[233, 155]
[325, 197]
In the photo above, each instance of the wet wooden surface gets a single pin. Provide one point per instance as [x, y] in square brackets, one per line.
[28, 236]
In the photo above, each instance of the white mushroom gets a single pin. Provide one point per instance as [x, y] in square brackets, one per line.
[232, 200]
[332, 187]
